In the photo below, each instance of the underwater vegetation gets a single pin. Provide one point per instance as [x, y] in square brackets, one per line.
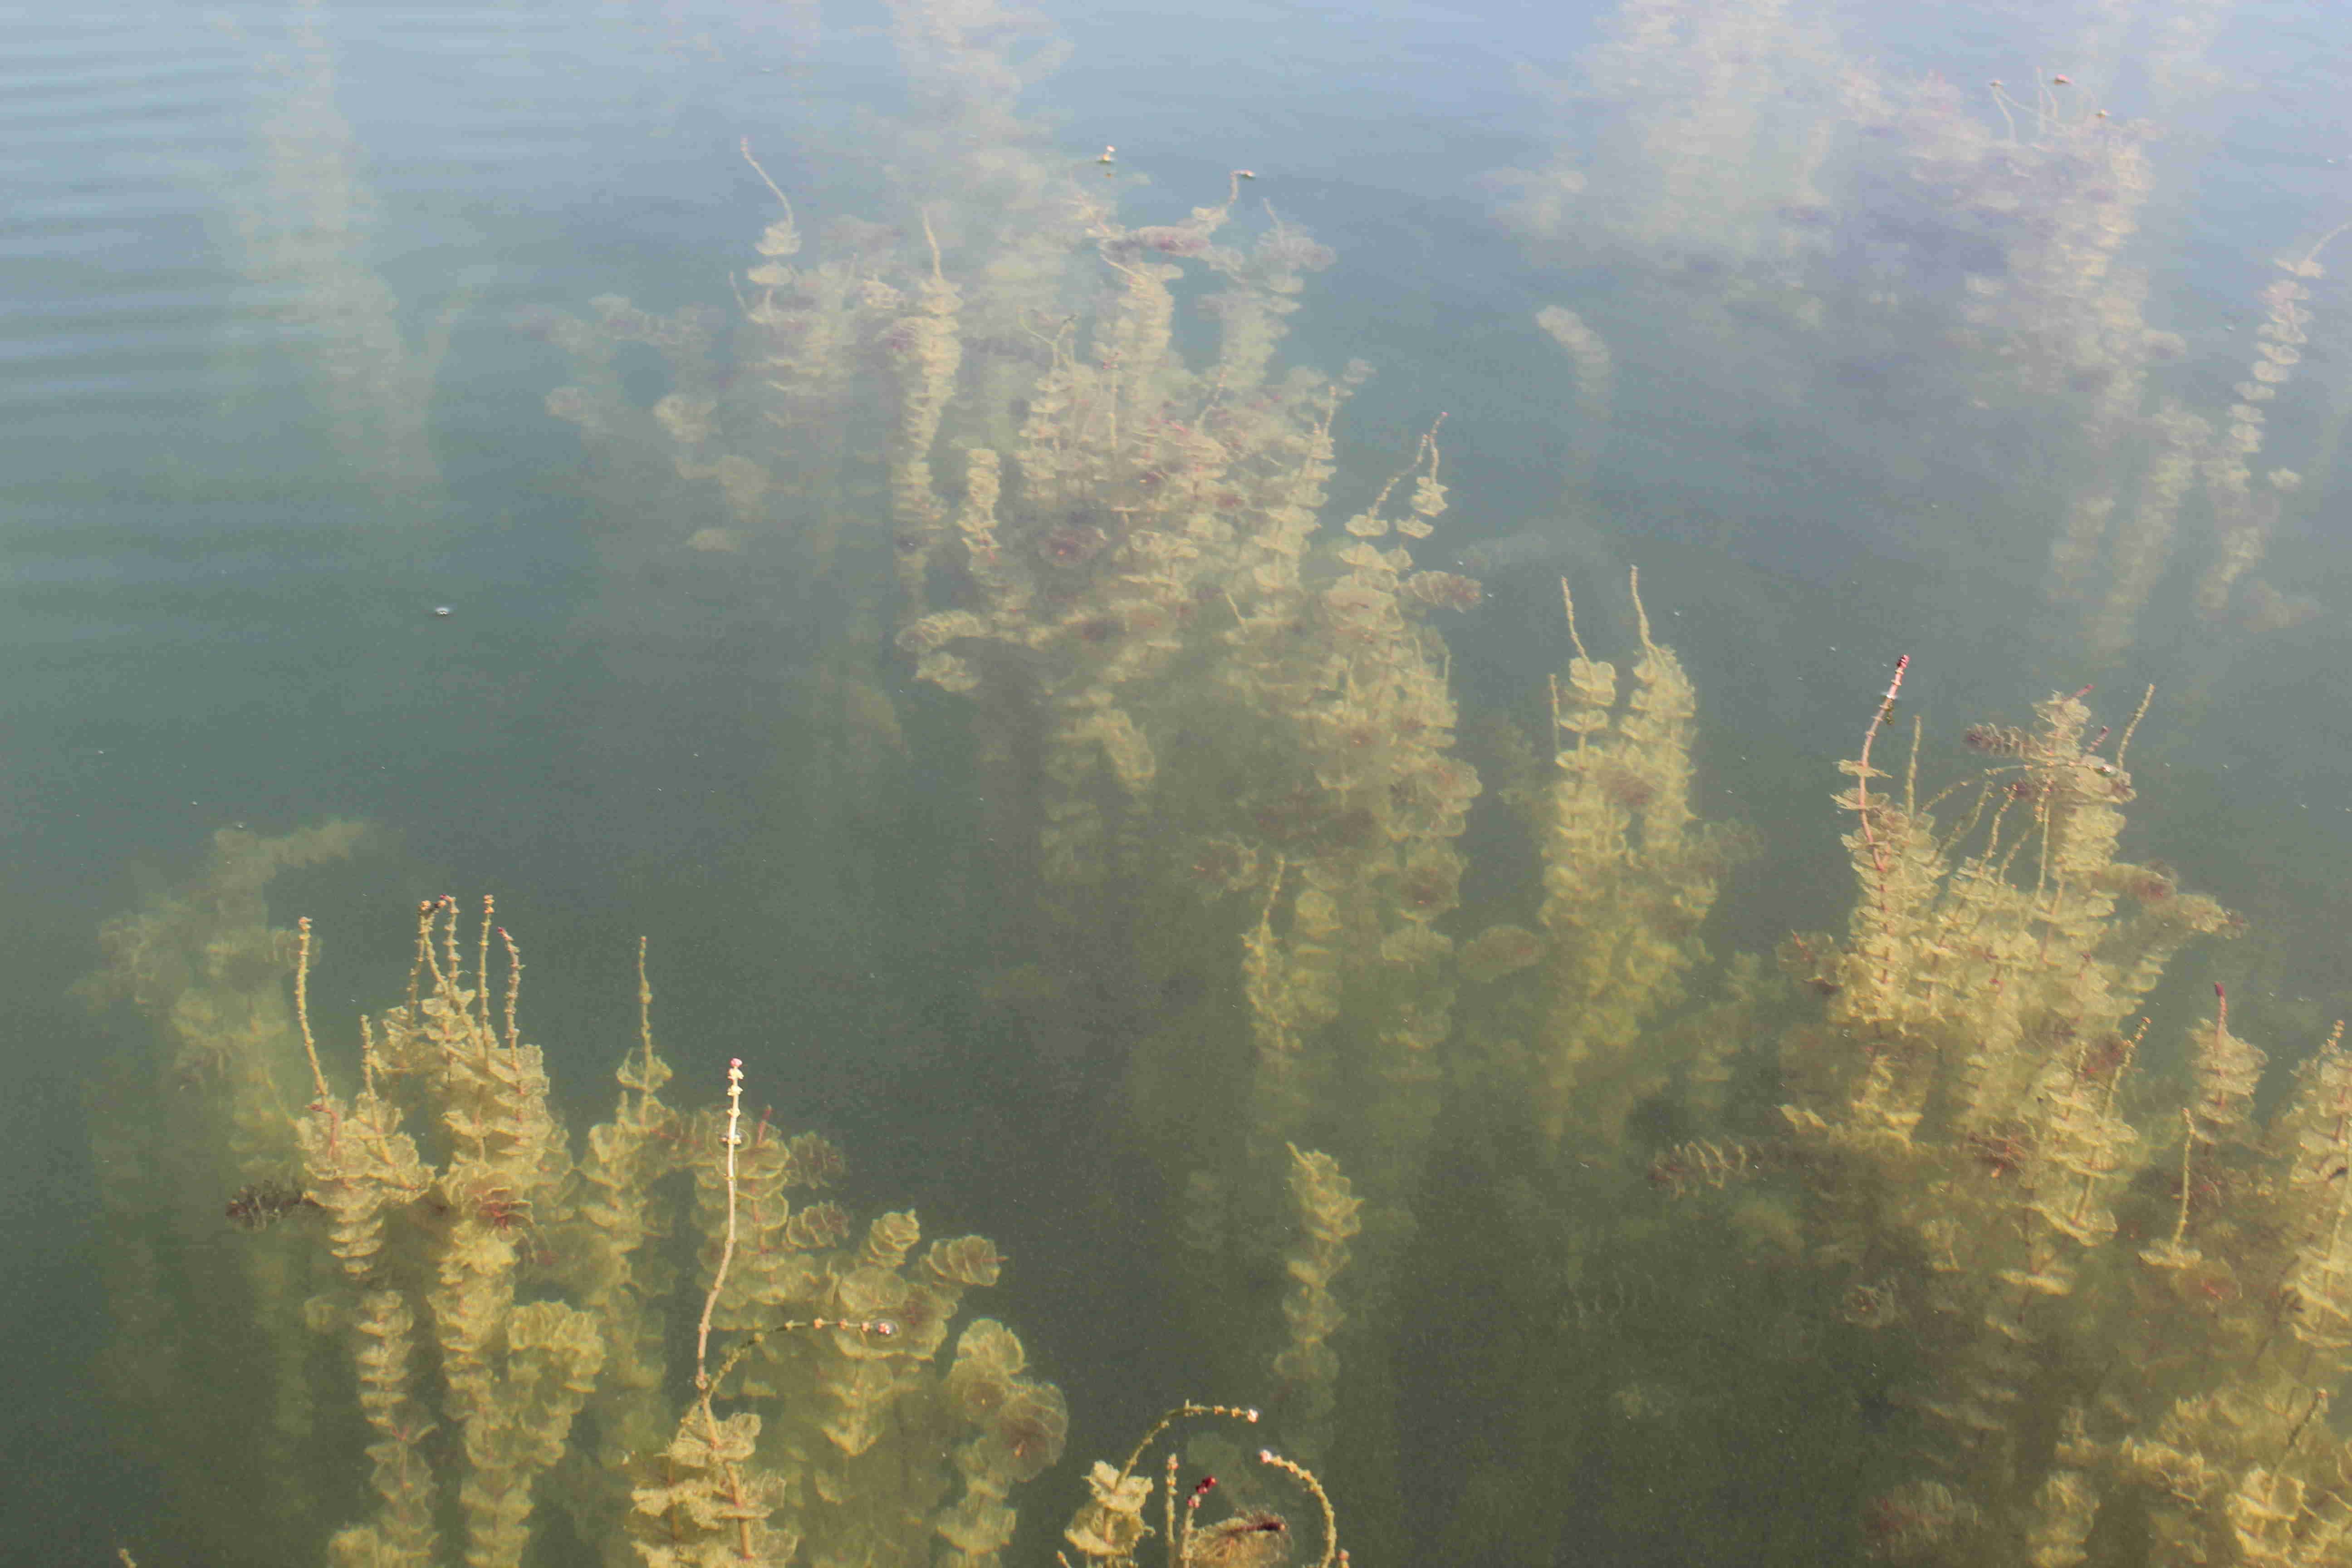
[500, 1297]
[1537, 1229]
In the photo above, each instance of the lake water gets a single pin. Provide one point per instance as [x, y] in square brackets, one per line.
[543, 438]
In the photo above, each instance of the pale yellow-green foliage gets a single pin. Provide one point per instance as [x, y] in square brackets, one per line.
[1629, 876]
[488, 1289]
